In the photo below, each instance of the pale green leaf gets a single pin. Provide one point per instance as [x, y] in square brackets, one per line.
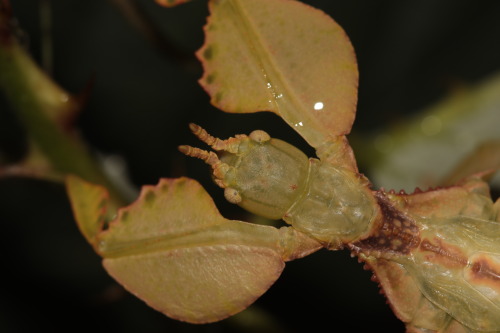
[281, 56]
[425, 150]
[486, 157]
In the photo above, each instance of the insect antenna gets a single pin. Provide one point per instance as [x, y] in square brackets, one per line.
[230, 145]
[219, 168]
[208, 157]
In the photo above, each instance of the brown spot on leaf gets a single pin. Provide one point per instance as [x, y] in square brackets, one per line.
[211, 78]
[150, 197]
[208, 53]
[164, 187]
[218, 97]
[124, 216]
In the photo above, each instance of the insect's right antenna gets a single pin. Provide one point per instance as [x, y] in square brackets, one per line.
[219, 168]
[208, 157]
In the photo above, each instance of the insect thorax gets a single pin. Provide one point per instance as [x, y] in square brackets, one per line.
[336, 206]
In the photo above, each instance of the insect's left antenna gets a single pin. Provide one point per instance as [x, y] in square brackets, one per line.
[230, 145]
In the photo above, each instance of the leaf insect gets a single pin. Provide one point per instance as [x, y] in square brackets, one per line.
[436, 254]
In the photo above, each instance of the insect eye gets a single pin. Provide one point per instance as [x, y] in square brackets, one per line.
[259, 136]
[232, 195]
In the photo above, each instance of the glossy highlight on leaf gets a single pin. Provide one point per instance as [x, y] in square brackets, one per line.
[281, 56]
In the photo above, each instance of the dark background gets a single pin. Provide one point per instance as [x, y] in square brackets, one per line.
[410, 54]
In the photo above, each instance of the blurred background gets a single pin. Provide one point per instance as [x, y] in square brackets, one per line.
[411, 54]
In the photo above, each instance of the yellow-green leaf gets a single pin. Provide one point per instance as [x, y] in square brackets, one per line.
[281, 56]
[486, 157]
[89, 203]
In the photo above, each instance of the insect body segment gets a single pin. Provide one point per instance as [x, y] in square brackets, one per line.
[336, 207]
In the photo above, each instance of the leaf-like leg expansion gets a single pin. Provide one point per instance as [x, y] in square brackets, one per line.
[284, 57]
[90, 204]
[405, 297]
[471, 197]
[409, 304]
[198, 284]
[174, 250]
